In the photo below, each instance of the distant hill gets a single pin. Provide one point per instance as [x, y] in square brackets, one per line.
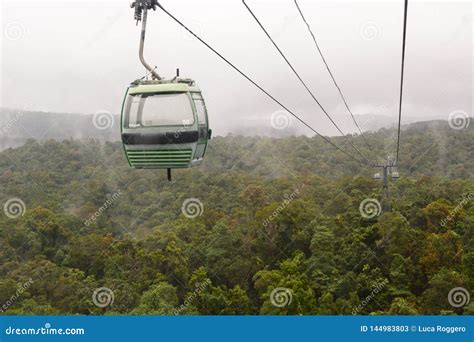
[371, 122]
[431, 147]
[261, 125]
[16, 127]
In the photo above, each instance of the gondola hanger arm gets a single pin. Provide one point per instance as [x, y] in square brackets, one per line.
[141, 13]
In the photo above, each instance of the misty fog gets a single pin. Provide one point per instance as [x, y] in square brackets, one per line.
[79, 57]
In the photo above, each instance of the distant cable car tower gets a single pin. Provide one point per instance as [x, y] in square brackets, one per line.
[389, 170]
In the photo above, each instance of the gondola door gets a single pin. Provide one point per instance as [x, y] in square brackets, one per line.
[203, 125]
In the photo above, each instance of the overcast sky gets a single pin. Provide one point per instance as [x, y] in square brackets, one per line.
[79, 56]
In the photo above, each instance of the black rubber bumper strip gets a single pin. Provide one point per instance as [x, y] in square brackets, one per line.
[160, 138]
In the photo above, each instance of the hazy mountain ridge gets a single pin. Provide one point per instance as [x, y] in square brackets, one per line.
[17, 126]
[432, 148]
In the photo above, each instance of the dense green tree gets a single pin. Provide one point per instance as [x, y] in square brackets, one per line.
[160, 299]
[279, 230]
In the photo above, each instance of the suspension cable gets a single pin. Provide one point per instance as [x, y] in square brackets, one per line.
[332, 76]
[405, 16]
[300, 78]
[258, 86]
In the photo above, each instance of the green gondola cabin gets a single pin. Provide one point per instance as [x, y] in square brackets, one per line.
[164, 124]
